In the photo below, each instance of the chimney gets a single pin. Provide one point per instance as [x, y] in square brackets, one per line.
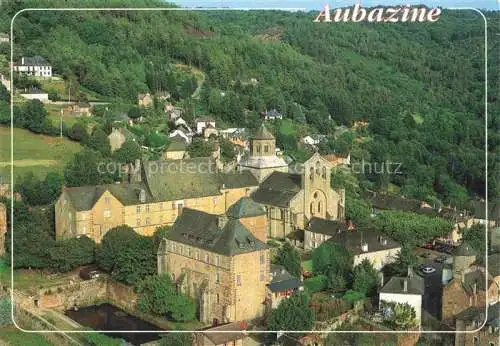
[136, 172]
[222, 220]
[381, 278]
[405, 285]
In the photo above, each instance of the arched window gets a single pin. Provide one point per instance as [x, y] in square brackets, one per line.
[319, 207]
[318, 166]
[312, 208]
[323, 175]
[266, 148]
[315, 195]
[311, 174]
[258, 148]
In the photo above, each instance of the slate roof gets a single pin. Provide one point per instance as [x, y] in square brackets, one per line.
[476, 277]
[201, 230]
[328, 227]
[278, 189]
[477, 314]
[455, 216]
[464, 249]
[396, 285]
[197, 177]
[84, 197]
[166, 181]
[245, 207]
[352, 241]
[177, 145]
[226, 337]
[282, 280]
[36, 60]
[263, 133]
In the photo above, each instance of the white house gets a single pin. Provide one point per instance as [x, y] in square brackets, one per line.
[313, 139]
[202, 123]
[404, 290]
[34, 66]
[371, 245]
[4, 38]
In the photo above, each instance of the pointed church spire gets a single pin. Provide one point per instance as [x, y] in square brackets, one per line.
[263, 133]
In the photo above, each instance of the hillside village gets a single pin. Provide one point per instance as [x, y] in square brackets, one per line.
[180, 218]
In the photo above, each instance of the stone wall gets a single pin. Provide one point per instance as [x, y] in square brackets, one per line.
[78, 293]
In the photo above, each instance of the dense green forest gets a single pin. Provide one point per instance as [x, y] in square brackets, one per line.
[420, 86]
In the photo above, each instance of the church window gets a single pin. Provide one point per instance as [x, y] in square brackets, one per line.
[323, 175]
[315, 195]
[266, 148]
[311, 174]
[312, 208]
[319, 207]
[258, 148]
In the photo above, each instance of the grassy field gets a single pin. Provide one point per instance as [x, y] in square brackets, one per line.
[37, 153]
[59, 87]
[13, 337]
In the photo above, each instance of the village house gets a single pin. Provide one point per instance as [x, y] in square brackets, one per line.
[172, 112]
[216, 261]
[120, 135]
[181, 132]
[273, 114]
[154, 196]
[34, 66]
[313, 140]
[281, 285]
[238, 338]
[176, 150]
[145, 100]
[377, 248]
[320, 230]
[404, 290]
[210, 131]
[461, 220]
[82, 109]
[472, 319]
[337, 159]
[387, 201]
[468, 286]
[203, 122]
[4, 37]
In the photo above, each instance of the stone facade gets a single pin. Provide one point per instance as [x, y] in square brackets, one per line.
[226, 288]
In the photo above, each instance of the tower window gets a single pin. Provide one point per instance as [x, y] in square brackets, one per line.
[323, 175]
[258, 148]
[266, 148]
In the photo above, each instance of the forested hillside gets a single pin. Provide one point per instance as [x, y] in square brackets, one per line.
[420, 86]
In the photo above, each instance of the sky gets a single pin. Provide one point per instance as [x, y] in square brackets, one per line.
[317, 4]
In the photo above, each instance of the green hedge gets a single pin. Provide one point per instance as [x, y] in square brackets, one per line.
[316, 283]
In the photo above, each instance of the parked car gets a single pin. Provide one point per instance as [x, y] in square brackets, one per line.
[427, 269]
[441, 259]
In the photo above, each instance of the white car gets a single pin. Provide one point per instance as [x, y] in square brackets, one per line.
[426, 269]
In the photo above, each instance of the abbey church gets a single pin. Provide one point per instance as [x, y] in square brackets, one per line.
[291, 199]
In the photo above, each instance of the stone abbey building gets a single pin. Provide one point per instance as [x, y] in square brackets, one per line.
[155, 195]
[219, 262]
